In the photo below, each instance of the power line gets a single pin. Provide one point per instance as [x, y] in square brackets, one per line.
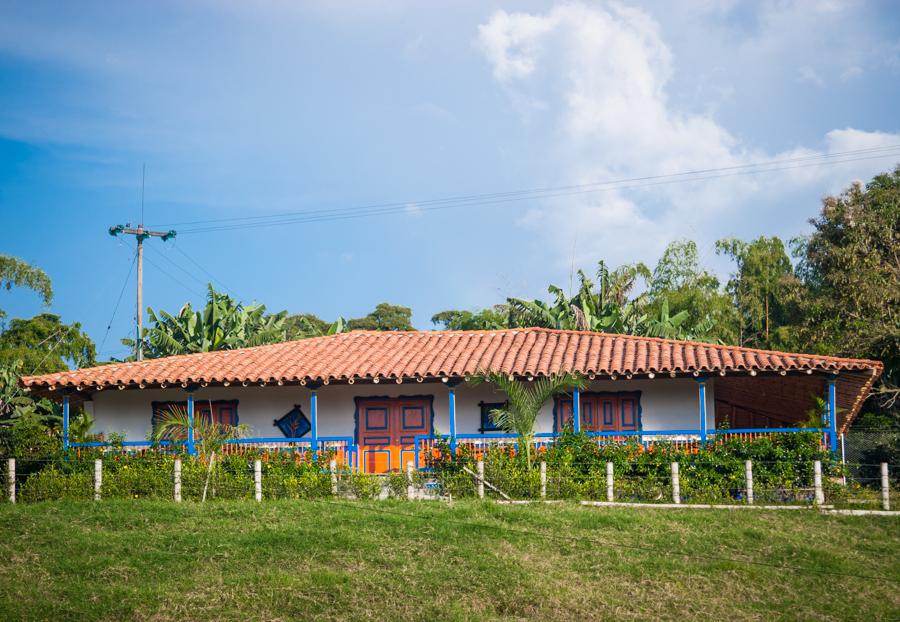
[333, 214]
[608, 543]
[207, 272]
[203, 282]
[118, 302]
[179, 266]
[177, 280]
[558, 188]
[816, 160]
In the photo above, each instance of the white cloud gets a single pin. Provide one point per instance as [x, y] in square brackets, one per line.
[810, 75]
[600, 79]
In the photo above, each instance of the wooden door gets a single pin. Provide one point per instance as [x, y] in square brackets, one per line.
[387, 428]
[602, 412]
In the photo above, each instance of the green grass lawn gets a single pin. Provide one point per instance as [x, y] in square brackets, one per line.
[289, 560]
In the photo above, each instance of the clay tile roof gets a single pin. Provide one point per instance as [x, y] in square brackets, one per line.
[434, 354]
[407, 355]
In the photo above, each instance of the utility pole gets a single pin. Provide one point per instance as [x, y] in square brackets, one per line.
[140, 234]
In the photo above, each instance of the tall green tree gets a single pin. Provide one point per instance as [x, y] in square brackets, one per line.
[15, 272]
[302, 325]
[493, 318]
[765, 291]
[685, 300]
[850, 265]
[44, 344]
[386, 316]
[223, 324]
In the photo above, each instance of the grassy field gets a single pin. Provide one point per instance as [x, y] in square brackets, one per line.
[391, 560]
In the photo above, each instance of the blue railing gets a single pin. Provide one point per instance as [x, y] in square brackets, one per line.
[342, 445]
[349, 452]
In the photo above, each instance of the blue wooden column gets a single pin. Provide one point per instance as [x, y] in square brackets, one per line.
[190, 432]
[314, 421]
[452, 406]
[65, 421]
[576, 410]
[832, 415]
[701, 384]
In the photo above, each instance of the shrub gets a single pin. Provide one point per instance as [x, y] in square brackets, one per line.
[576, 468]
[52, 484]
[364, 486]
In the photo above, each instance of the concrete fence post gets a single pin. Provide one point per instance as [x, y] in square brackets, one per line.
[610, 490]
[11, 474]
[332, 468]
[410, 486]
[543, 480]
[748, 476]
[676, 484]
[479, 468]
[98, 478]
[817, 482]
[176, 474]
[257, 478]
[885, 487]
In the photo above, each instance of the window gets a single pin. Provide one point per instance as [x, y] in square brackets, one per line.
[487, 424]
[224, 412]
[294, 424]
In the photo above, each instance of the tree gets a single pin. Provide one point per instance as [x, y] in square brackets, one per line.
[310, 325]
[385, 317]
[850, 266]
[496, 317]
[680, 286]
[525, 400]
[764, 289]
[45, 345]
[303, 325]
[15, 272]
[222, 325]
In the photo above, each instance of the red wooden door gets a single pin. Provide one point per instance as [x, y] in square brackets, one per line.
[602, 412]
[387, 428]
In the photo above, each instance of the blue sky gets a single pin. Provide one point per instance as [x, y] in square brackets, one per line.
[241, 110]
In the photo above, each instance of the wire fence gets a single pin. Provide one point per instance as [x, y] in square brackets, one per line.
[234, 477]
[863, 451]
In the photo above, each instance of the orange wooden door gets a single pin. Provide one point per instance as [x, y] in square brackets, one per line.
[387, 428]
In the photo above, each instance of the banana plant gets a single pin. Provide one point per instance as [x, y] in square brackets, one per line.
[223, 324]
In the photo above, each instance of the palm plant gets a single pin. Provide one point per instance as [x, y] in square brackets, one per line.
[525, 400]
[209, 436]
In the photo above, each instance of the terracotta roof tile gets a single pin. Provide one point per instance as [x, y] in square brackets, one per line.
[407, 355]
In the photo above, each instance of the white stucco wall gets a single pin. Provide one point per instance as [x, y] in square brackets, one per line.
[665, 404]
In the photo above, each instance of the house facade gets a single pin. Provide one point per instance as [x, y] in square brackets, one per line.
[379, 398]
